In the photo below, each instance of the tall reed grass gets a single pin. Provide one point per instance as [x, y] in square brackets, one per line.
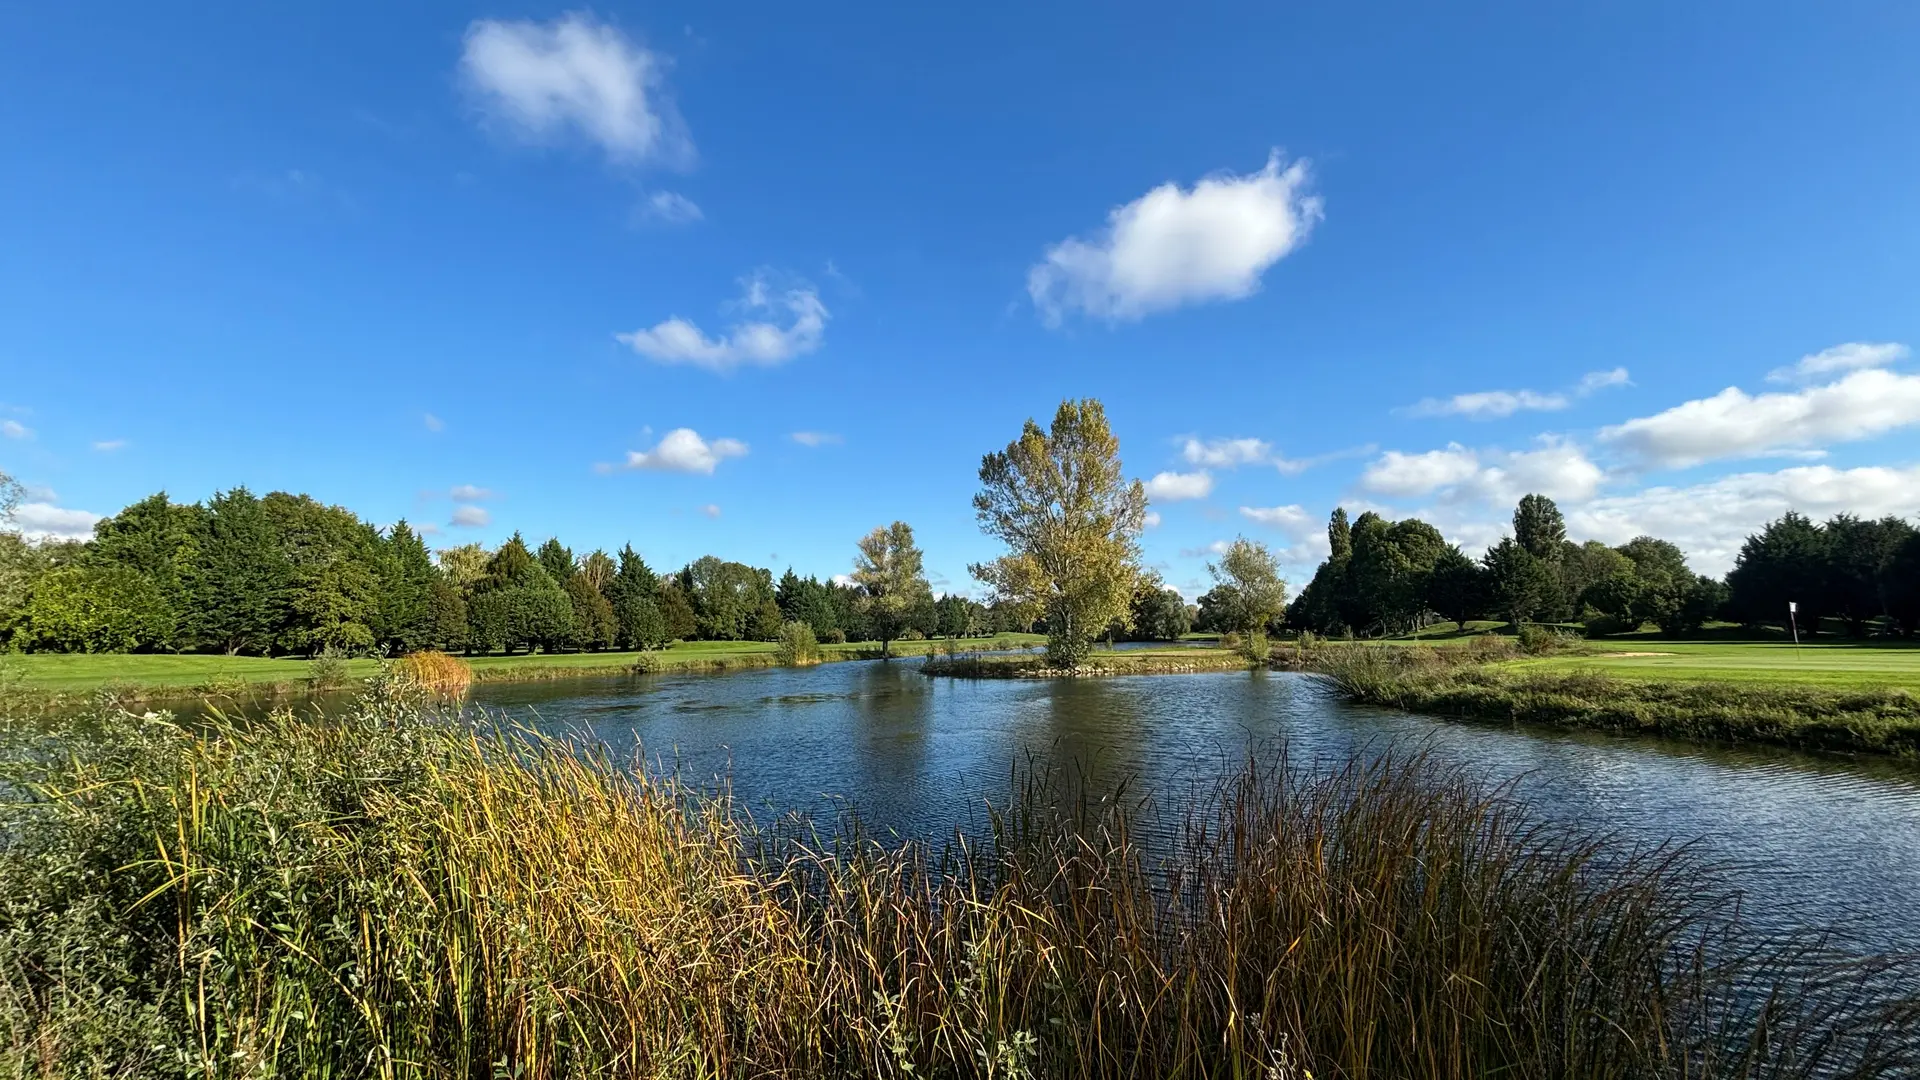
[402, 894]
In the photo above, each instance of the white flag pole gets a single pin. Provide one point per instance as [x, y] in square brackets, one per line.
[1793, 619]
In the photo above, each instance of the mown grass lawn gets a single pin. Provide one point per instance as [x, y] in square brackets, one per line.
[1835, 664]
[67, 672]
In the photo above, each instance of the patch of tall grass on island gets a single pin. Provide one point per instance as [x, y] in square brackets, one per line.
[398, 893]
[1464, 683]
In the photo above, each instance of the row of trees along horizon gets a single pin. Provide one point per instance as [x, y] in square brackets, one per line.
[285, 574]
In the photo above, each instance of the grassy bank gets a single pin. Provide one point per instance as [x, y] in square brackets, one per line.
[1169, 661]
[393, 894]
[152, 676]
[1577, 692]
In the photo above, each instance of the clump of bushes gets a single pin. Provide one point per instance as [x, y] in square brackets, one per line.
[1537, 640]
[299, 899]
[329, 671]
[797, 645]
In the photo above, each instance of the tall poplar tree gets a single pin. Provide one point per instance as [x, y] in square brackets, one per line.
[1071, 522]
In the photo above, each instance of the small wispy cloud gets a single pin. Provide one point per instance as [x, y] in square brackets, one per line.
[670, 208]
[14, 429]
[711, 510]
[1152, 520]
[817, 438]
[108, 446]
[1497, 404]
[433, 423]
[1852, 356]
[470, 517]
[471, 493]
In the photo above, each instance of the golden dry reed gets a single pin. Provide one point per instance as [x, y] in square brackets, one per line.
[437, 673]
[399, 894]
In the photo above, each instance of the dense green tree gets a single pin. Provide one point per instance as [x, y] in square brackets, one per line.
[100, 609]
[1519, 586]
[1583, 566]
[448, 607]
[891, 574]
[1159, 613]
[1247, 592]
[727, 597]
[408, 620]
[240, 590]
[1786, 562]
[160, 540]
[1071, 521]
[633, 591]
[805, 599]
[1339, 536]
[1539, 527]
[332, 583]
[1456, 587]
[556, 559]
[1386, 579]
[594, 625]
[1862, 556]
[676, 611]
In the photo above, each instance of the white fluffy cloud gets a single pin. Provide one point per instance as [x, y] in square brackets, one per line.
[683, 450]
[1171, 246]
[1734, 424]
[1852, 356]
[1710, 520]
[574, 76]
[1556, 468]
[470, 517]
[1292, 520]
[14, 429]
[1152, 520]
[671, 208]
[1398, 474]
[762, 343]
[470, 493]
[711, 510]
[1175, 486]
[1495, 404]
[45, 521]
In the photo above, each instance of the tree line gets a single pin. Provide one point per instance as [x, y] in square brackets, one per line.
[1388, 577]
[285, 574]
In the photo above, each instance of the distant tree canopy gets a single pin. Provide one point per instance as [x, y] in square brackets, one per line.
[285, 574]
[1384, 577]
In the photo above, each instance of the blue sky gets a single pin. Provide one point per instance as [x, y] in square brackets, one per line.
[752, 280]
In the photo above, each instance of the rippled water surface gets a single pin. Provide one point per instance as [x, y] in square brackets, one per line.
[1812, 841]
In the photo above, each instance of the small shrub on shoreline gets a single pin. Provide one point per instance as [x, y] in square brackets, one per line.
[797, 645]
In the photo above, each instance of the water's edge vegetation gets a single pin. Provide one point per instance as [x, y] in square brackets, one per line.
[399, 893]
[1452, 683]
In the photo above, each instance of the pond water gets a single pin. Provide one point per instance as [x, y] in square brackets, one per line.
[1811, 841]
